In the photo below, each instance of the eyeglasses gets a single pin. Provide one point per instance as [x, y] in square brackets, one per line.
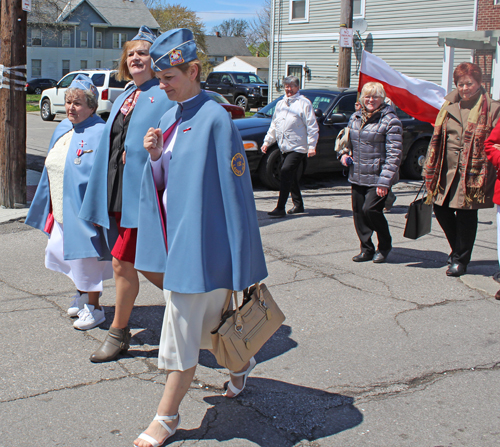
[372, 97]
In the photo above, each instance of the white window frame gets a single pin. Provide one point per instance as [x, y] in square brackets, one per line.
[66, 37]
[39, 36]
[98, 39]
[303, 65]
[69, 66]
[290, 7]
[33, 75]
[120, 41]
[362, 8]
[86, 40]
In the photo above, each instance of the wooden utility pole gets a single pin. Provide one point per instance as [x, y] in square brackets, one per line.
[13, 104]
[344, 72]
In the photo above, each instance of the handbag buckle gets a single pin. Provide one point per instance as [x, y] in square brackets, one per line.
[238, 328]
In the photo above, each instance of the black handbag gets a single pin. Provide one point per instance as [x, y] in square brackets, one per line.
[418, 218]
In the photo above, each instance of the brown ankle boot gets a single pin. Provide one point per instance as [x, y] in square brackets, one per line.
[115, 342]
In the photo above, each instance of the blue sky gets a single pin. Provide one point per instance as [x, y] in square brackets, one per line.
[213, 12]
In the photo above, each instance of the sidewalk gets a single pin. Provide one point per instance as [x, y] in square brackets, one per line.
[8, 214]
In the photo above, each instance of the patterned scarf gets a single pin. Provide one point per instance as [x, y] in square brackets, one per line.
[473, 164]
[129, 103]
[365, 115]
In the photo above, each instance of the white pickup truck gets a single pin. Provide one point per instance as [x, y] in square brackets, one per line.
[52, 99]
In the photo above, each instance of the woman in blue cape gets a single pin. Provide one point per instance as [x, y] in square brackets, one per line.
[205, 219]
[75, 246]
[112, 199]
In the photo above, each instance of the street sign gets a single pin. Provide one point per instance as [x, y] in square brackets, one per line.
[346, 38]
[26, 5]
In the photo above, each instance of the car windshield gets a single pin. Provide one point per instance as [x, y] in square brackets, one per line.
[319, 100]
[247, 78]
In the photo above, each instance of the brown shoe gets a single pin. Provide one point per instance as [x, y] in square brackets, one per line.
[116, 341]
[497, 295]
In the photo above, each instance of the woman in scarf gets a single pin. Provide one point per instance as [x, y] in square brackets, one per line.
[376, 138]
[75, 246]
[458, 177]
[112, 199]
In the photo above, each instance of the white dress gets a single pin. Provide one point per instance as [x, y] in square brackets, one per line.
[189, 318]
[88, 273]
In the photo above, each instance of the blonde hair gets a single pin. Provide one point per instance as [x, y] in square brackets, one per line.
[185, 67]
[123, 72]
[372, 89]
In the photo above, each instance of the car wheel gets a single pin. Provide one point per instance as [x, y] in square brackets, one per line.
[45, 111]
[242, 101]
[38, 91]
[411, 169]
[269, 169]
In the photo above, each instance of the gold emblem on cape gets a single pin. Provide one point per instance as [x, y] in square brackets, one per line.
[238, 164]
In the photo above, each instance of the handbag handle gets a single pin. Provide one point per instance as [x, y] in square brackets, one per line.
[420, 189]
[238, 322]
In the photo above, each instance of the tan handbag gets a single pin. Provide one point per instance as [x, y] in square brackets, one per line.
[244, 330]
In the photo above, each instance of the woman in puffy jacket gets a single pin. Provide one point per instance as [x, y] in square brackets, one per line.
[376, 140]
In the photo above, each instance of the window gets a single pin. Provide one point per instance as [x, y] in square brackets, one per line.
[119, 39]
[97, 64]
[113, 82]
[83, 65]
[297, 71]
[36, 37]
[65, 68]
[65, 83]
[358, 8]
[36, 68]
[98, 79]
[214, 78]
[98, 39]
[299, 10]
[66, 38]
[83, 39]
[345, 105]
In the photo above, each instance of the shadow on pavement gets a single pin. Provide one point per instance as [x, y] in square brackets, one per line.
[272, 413]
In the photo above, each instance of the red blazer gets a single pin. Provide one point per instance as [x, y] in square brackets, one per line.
[493, 155]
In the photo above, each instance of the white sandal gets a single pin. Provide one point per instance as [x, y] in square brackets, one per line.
[161, 420]
[245, 374]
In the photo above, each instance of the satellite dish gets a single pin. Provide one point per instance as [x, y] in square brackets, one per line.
[360, 25]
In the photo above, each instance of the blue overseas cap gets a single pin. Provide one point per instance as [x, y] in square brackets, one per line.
[146, 34]
[175, 47]
[83, 82]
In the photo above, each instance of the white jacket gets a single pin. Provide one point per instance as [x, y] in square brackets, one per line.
[294, 125]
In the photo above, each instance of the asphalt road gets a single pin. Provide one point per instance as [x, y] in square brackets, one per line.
[375, 355]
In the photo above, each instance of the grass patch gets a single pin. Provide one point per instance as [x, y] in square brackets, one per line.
[249, 114]
[32, 102]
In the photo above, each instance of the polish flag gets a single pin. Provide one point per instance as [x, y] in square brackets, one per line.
[420, 99]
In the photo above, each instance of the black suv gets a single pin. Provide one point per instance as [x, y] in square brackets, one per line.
[243, 89]
[333, 109]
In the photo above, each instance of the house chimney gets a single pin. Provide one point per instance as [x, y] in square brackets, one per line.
[217, 33]
[257, 54]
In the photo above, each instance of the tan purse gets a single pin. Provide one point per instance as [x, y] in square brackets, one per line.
[244, 330]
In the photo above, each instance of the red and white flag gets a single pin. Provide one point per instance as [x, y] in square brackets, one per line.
[418, 98]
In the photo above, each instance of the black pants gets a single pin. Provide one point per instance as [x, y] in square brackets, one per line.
[368, 214]
[460, 228]
[290, 162]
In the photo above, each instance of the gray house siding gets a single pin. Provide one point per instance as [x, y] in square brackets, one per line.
[404, 36]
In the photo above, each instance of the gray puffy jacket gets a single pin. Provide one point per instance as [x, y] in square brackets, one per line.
[376, 149]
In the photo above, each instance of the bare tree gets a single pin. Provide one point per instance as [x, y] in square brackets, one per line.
[259, 32]
[231, 28]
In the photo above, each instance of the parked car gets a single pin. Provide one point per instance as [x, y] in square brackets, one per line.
[243, 89]
[109, 88]
[233, 110]
[37, 86]
[333, 109]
